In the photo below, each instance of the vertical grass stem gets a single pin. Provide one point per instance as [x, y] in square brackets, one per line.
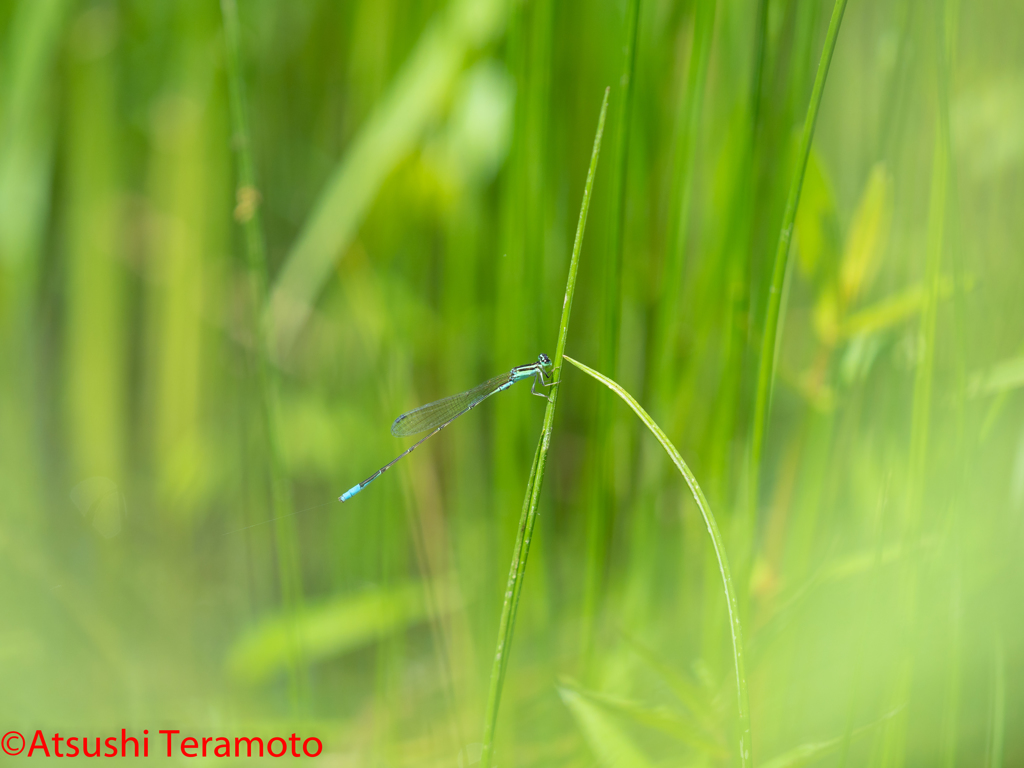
[521, 550]
[247, 213]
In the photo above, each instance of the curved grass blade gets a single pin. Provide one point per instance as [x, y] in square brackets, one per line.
[766, 364]
[716, 542]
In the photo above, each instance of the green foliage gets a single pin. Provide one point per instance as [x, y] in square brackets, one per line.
[237, 239]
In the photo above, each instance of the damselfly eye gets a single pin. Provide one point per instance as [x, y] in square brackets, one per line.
[543, 359]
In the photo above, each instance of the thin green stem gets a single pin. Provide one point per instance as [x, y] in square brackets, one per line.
[514, 580]
[247, 213]
[521, 550]
[766, 365]
[717, 543]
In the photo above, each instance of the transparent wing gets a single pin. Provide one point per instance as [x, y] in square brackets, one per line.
[432, 415]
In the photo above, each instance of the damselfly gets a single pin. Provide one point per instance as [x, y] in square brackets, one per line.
[435, 416]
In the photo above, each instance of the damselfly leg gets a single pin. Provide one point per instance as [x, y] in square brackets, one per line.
[533, 387]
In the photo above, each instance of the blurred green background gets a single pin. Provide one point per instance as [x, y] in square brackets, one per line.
[418, 171]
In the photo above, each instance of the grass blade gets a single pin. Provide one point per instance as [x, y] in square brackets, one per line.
[248, 214]
[96, 351]
[522, 546]
[716, 542]
[766, 365]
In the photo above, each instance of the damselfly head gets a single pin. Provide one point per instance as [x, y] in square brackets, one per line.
[544, 360]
